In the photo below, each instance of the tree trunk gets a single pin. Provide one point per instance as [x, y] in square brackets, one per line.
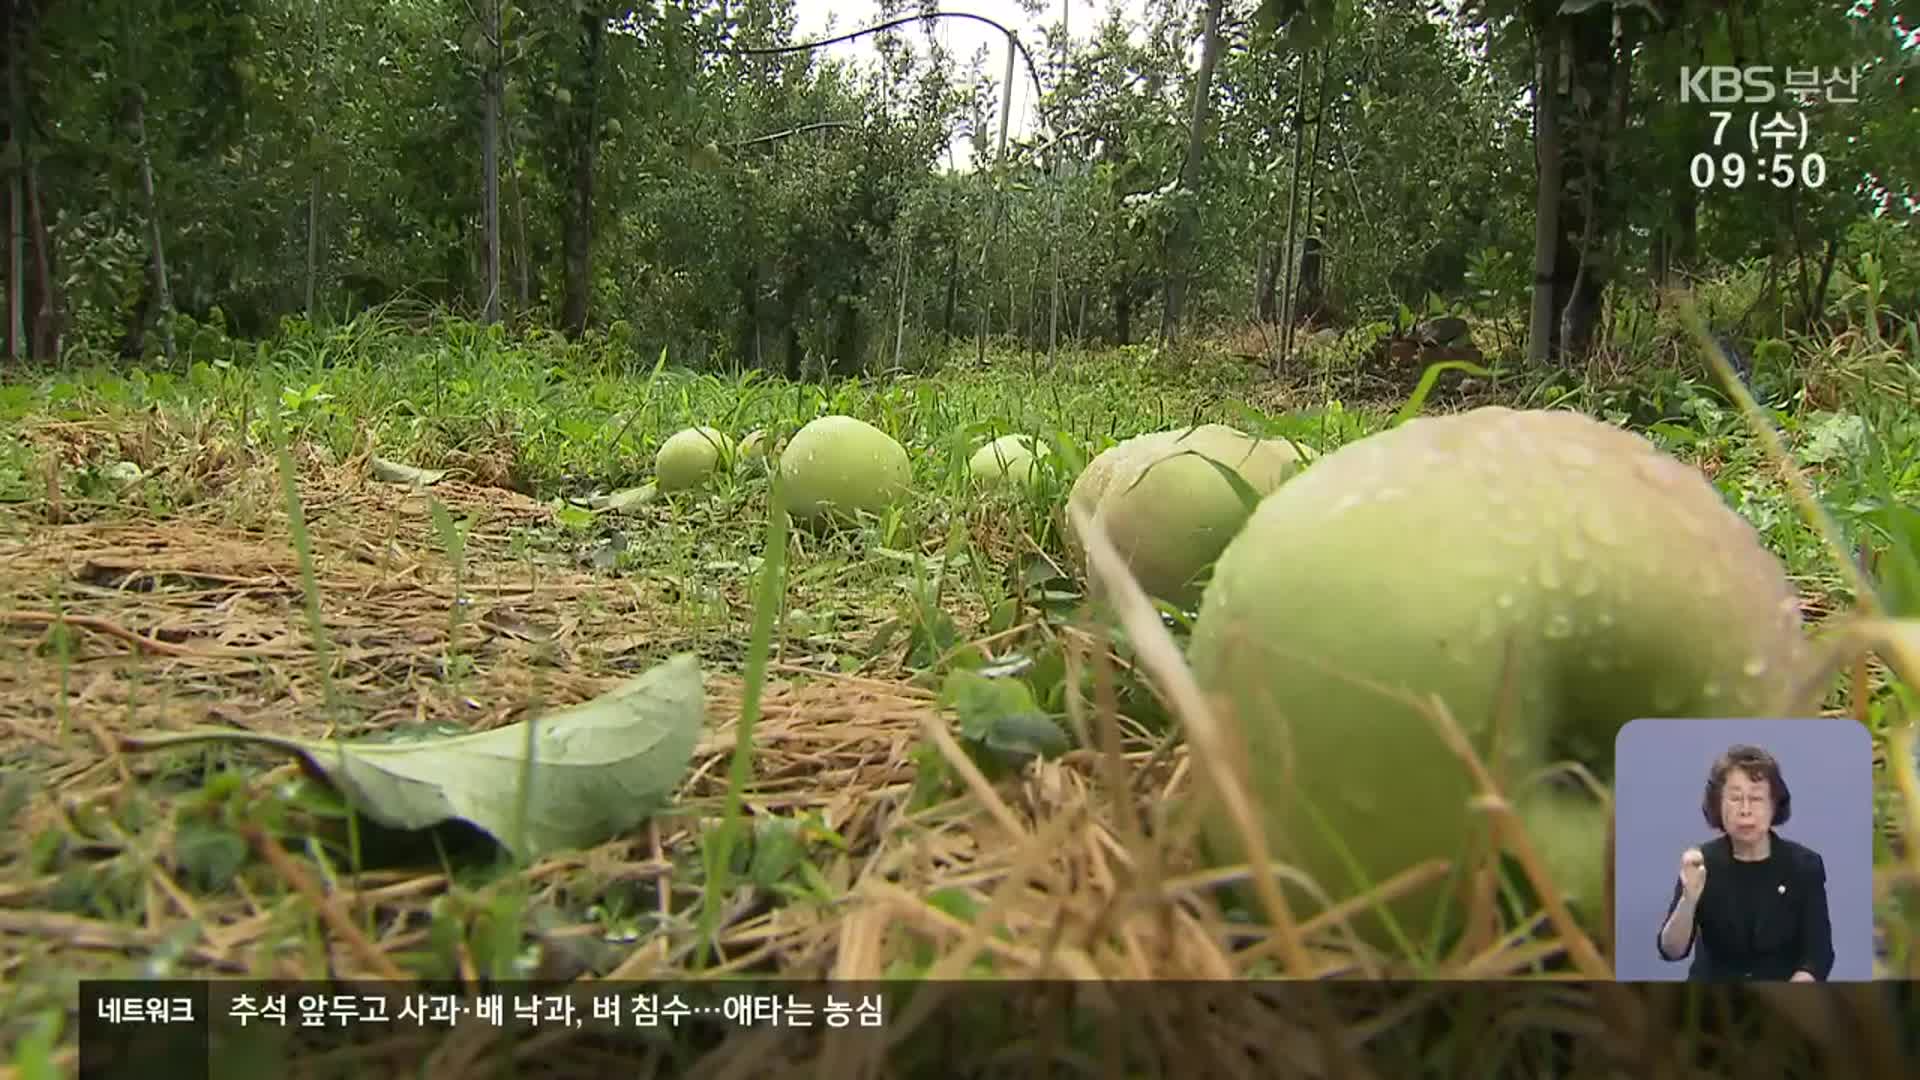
[1053, 322]
[523, 256]
[313, 246]
[1053, 301]
[313, 180]
[847, 337]
[1187, 227]
[45, 305]
[900, 315]
[1549, 42]
[1270, 284]
[16, 265]
[792, 292]
[746, 334]
[1308, 301]
[1686, 228]
[577, 240]
[994, 206]
[491, 93]
[1602, 57]
[953, 292]
[16, 57]
[33, 287]
[1014, 314]
[1816, 311]
[1676, 240]
[1313, 262]
[157, 255]
[1280, 355]
[1259, 280]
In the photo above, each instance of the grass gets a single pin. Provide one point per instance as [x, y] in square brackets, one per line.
[838, 822]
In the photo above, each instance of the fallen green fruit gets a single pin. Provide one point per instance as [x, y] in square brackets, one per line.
[1166, 506]
[1009, 458]
[837, 467]
[754, 446]
[688, 458]
[1604, 579]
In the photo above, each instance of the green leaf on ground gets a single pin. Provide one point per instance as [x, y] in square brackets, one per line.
[601, 767]
[1001, 715]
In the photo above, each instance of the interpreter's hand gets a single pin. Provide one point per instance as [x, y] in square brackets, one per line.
[1693, 873]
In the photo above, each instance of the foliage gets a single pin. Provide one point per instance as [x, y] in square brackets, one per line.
[757, 204]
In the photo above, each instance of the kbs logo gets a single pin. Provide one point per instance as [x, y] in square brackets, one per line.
[1728, 85]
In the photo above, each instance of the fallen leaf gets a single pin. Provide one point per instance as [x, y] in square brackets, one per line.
[619, 644]
[392, 472]
[606, 555]
[1000, 715]
[601, 767]
[506, 621]
[778, 850]
[624, 499]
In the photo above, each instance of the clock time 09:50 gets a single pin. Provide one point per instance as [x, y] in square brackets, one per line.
[1733, 170]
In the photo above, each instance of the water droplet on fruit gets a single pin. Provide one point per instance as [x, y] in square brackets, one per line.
[1755, 667]
[1559, 627]
[1549, 574]
[1504, 600]
[1598, 523]
[1711, 691]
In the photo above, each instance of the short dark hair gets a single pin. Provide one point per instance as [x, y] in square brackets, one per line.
[1756, 763]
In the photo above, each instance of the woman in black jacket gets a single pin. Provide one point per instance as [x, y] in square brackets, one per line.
[1755, 901]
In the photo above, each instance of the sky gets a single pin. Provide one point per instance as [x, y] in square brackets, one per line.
[963, 37]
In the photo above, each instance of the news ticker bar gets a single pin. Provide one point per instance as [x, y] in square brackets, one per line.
[193, 1026]
[127, 1027]
[323, 1005]
[109, 1005]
